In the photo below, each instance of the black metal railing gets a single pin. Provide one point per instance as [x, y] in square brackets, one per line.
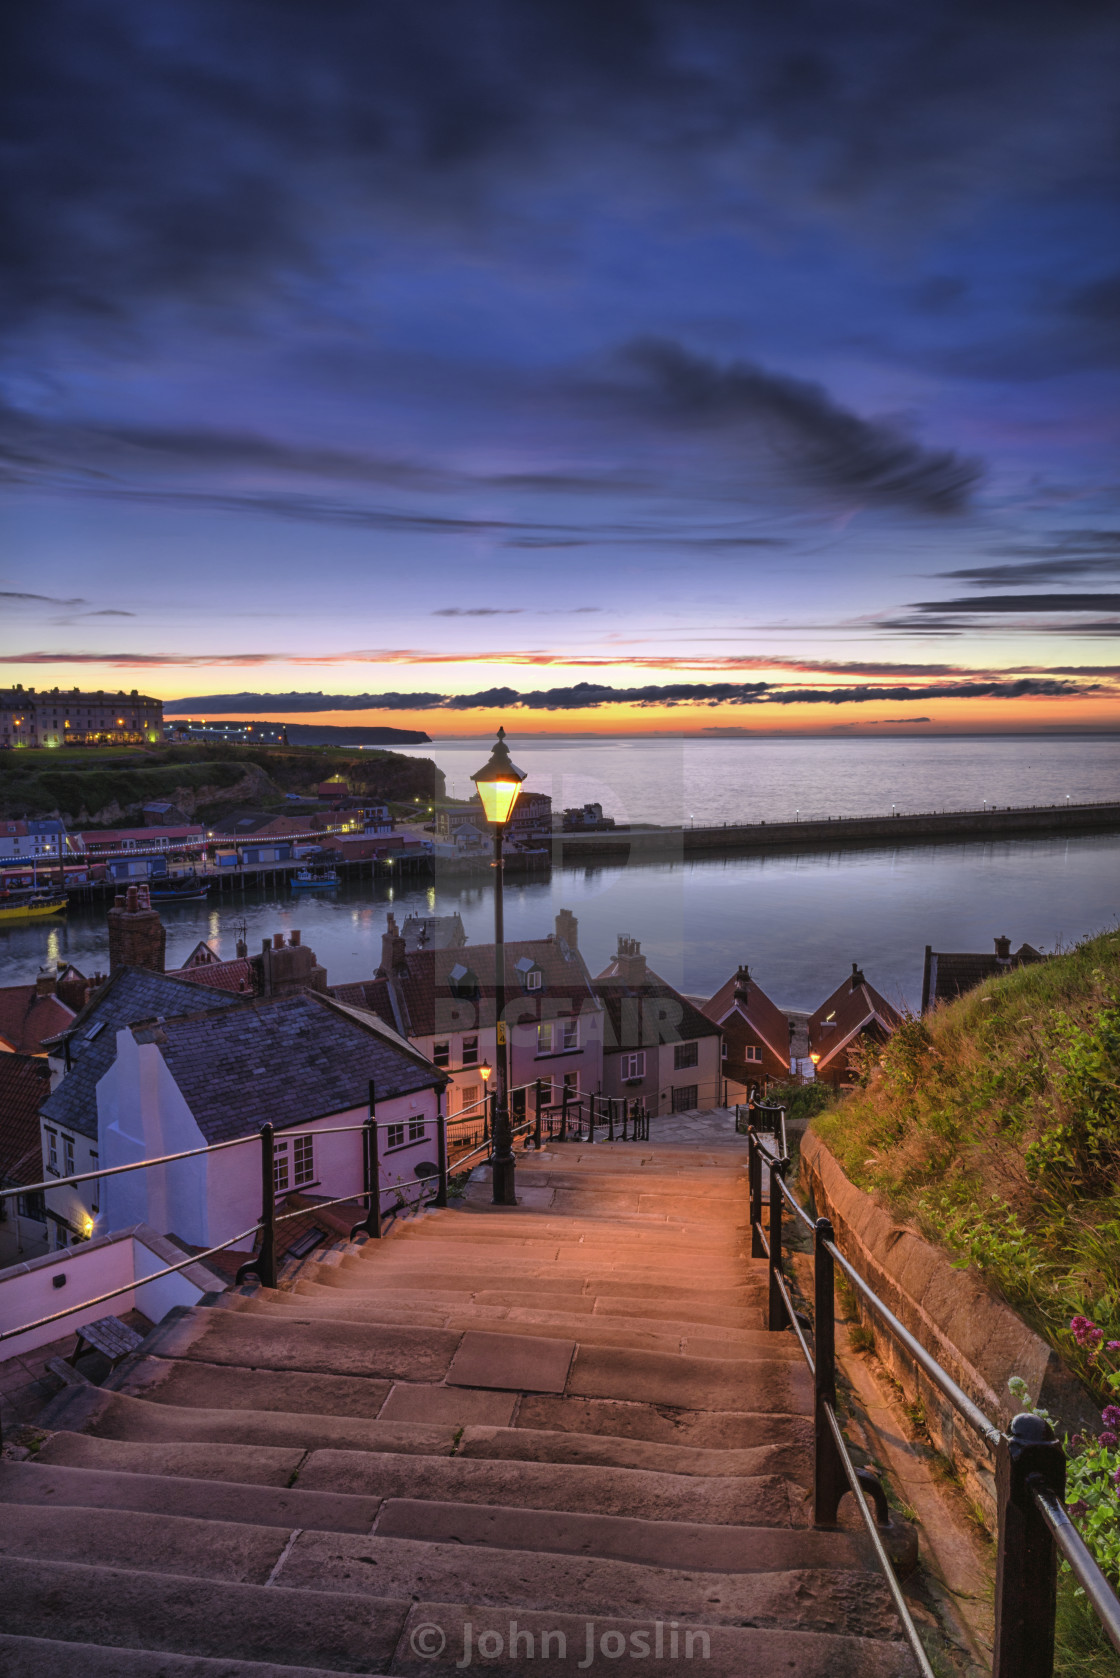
[1034, 1526]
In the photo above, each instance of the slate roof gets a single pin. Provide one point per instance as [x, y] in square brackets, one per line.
[282, 1060]
[27, 1020]
[947, 974]
[764, 1017]
[24, 1080]
[429, 976]
[852, 1006]
[131, 994]
[626, 1025]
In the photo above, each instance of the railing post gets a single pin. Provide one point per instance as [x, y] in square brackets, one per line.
[537, 1125]
[564, 1114]
[371, 1173]
[777, 1316]
[829, 1479]
[610, 1118]
[441, 1146]
[263, 1262]
[591, 1100]
[1026, 1557]
[754, 1176]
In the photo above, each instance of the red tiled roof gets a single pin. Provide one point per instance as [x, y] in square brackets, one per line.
[948, 974]
[764, 1017]
[426, 980]
[236, 976]
[24, 1083]
[27, 1020]
[852, 1005]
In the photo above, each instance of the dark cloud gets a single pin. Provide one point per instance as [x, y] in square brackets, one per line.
[983, 604]
[807, 433]
[43, 599]
[478, 611]
[590, 695]
[1071, 554]
[205, 149]
[108, 612]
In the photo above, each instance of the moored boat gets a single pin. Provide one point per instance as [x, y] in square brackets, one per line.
[186, 889]
[314, 879]
[15, 906]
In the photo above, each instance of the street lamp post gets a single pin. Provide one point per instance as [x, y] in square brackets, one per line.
[498, 784]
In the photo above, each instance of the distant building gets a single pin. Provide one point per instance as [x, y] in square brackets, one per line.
[946, 975]
[433, 932]
[73, 718]
[756, 1034]
[163, 814]
[40, 839]
[855, 1012]
[99, 841]
[335, 790]
[658, 1048]
[586, 818]
[185, 729]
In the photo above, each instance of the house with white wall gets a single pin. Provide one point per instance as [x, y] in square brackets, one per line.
[304, 1063]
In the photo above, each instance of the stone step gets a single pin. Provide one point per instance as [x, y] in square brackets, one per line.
[203, 1500]
[761, 1500]
[111, 1415]
[697, 1311]
[214, 1386]
[46, 1657]
[398, 1352]
[663, 1650]
[345, 1633]
[828, 1599]
[238, 1553]
[539, 1445]
[691, 1383]
[661, 1423]
[578, 1282]
[260, 1465]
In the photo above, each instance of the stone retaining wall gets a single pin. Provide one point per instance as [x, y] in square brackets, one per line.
[974, 1335]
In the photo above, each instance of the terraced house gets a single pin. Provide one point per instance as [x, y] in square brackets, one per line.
[73, 718]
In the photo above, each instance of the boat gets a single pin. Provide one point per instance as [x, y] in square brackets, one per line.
[314, 879]
[17, 906]
[188, 888]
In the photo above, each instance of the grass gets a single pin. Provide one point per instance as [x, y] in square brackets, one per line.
[1081, 1648]
[993, 1126]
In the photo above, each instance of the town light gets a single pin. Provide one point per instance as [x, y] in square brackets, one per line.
[499, 783]
[814, 1057]
[484, 1071]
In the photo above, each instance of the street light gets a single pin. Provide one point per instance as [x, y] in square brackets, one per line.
[498, 784]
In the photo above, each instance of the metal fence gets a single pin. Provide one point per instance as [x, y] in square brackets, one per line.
[1034, 1526]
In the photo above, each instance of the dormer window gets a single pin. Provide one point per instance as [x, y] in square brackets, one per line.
[463, 982]
[529, 973]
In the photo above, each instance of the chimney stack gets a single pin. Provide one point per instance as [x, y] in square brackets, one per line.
[630, 963]
[392, 948]
[743, 984]
[136, 934]
[567, 929]
[1003, 951]
[45, 982]
[857, 976]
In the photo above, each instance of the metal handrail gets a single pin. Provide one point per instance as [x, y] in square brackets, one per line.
[137, 1282]
[1084, 1569]
[959, 1399]
[136, 1165]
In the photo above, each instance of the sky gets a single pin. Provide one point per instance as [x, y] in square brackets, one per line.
[700, 366]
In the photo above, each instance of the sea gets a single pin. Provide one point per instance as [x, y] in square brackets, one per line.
[798, 920]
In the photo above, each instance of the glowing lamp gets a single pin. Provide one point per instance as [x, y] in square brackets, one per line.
[814, 1057]
[499, 783]
[484, 1072]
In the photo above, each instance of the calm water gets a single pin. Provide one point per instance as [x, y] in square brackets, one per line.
[799, 920]
[750, 779]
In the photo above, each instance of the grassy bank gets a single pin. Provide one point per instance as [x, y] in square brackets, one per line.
[98, 779]
[993, 1126]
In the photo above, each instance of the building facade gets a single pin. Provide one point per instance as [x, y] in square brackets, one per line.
[73, 718]
[756, 1035]
[658, 1048]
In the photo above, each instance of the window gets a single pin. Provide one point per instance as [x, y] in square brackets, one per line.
[752, 1052]
[95, 1186]
[68, 1155]
[469, 1096]
[685, 1054]
[33, 1206]
[556, 1036]
[52, 1153]
[304, 1159]
[723, 1050]
[394, 1136]
[441, 1053]
[533, 979]
[416, 1130]
[569, 1034]
[280, 1167]
[571, 1083]
[685, 1098]
[470, 1051]
[544, 1037]
[634, 1066]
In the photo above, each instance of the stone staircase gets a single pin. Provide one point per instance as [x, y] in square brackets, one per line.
[543, 1439]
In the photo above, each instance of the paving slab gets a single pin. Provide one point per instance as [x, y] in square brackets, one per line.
[331, 1347]
[539, 1445]
[512, 1363]
[460, 1406]
[690, 1383]
[668, 1424]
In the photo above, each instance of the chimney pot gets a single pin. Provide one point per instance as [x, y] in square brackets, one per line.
[293, 940]
[277, 940]
[266, 946]
[857, 976]
[133, 900]
[1003, 949]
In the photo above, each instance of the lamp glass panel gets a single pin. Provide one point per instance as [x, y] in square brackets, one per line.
[498, 799]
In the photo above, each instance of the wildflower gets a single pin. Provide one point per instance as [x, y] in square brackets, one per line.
[1107, 1438]
[1116, 1477]
[1081, 1508]
[1110, 1416]
[1086, 1333]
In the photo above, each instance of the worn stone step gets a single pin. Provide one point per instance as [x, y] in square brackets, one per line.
[334, 1348]
[190, 1383]
[260, 1465]
[662, 1423]
[201, 1616]
[691, 1383]
[204, 1500]
[238, 1553]
[114, 1415]
[828, 1599]
[47, 1657]
[761, 1500]
[540, 1445]
[661, 1649]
